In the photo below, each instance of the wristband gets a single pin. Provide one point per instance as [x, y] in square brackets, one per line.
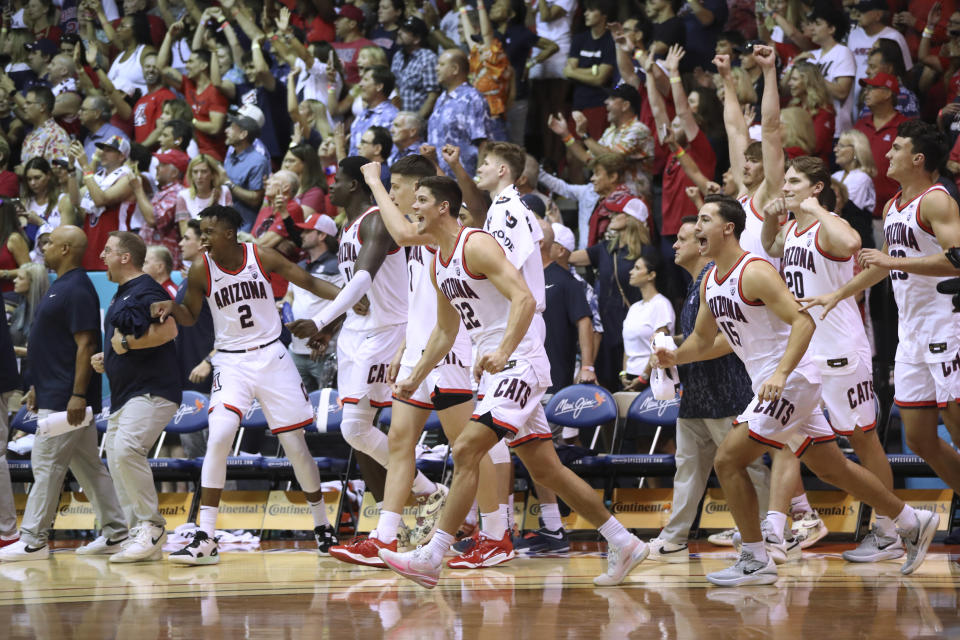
[225, 24]
[88, 174]
[675, 80]
[569, 140]
[642, 379]
[928, 32]
[681, 153]
[587, 368]
[78, 395]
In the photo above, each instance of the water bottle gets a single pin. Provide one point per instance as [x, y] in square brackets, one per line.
[286, 313]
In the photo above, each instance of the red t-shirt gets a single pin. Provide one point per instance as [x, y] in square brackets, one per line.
[676, 204]
[880, 142]
[824, 123]
[267, 221]
[97, 235]
[203, 103]
[348, 52]
[9, 184]
[147, 110]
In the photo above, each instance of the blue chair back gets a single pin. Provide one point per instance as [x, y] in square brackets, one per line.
[254, 417]
[102, 418]
[24, 421]
[651, 412]
[432, 424]
[191, 415]
[581, 406]
[328, 412]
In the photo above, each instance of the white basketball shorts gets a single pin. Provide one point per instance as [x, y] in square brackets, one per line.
[511, 404]
[363, 359]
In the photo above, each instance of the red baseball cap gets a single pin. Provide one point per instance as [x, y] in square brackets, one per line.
[350, 12]
[176, 157]
[319, 222]
[882, 80]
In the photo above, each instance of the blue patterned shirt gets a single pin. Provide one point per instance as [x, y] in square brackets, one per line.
[398, 153]
[416, 76]
[460, 117]
[713, 388]
[381, 115]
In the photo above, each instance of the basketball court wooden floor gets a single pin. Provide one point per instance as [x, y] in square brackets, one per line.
[286, 592]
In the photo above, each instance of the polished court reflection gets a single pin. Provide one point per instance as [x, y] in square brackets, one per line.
[287, 593]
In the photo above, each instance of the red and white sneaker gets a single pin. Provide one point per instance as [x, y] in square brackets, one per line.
[416, 565]
[7, 541]
[486, 553]
[362, 551]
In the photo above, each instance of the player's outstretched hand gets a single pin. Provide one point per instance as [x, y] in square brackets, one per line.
[303, 328]
[405, 388]
[492, 362]
[772, 389]
[162, 309]
[874, 258]
[827, 301]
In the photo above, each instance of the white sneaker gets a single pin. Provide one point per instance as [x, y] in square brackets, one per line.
[20, 550]
[621, 561]
[747, 571]
[722, 539]
[416, 565]
[809, 529]
[101, 547]
[780, 549]
[663, 551]
[876, 547]
[146, 545]
[202, 550]
[917, 540]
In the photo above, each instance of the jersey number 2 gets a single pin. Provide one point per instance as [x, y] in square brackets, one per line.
[245, 314]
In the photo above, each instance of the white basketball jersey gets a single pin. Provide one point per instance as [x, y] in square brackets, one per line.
[422, 309]
[756, 334]
[241, 302]
[515, 227]
[750, 239]
[928, 328]
[483, 309]
[809, 271]
[388, 292]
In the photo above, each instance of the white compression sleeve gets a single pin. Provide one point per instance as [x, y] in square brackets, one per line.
[348, 296]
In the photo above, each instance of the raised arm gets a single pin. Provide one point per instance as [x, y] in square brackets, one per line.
[476, 200]
[624, 55]
[170, 75]
[773, 158]
[403, 232]
[835, 236]
[683, 110]
[738, 137]
[773, 231]
[657, 106]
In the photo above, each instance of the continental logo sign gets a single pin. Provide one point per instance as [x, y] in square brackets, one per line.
[838, 510]
[638, 508]
[288, 510]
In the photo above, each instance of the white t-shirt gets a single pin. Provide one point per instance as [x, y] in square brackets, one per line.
[838, 63]
[860, 44]
[190, 207]
[643, 319]
[860, 188]
[557, 30]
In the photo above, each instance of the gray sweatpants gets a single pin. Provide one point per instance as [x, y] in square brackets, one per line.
[51, 457]
[697, 442]
[8, 512]
[131, 432]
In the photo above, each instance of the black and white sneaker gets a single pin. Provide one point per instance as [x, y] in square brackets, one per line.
[202, 550]
[326, 538]
[664, 551]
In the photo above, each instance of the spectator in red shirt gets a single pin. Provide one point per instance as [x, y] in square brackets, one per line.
[269, 230]
[146, 112]
[349, 29]
[880, 126]
[158, 264]
[686, 138]
[9, 183]
[208, 104]
[160, 211]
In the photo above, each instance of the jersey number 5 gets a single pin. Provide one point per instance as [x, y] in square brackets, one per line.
[245, 314]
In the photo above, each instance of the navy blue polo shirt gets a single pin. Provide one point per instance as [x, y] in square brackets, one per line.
[194, 343]
[70, 306]
[566, 305]
[9, 377]
[138, 372]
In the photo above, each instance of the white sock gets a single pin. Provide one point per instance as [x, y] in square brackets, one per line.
[505, 513]
[757, 549]
[386, 530]
[207, 519]
[510, 516]
[778, 522]
[493, 524]
[422, 485]
[886, 526]
[800, 505]
[550, 513]
[438, 545]
[472, 515]
[615, 533]
[319, 512]
[907, 520]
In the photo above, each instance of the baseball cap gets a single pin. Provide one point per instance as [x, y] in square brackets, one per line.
[116, 143]
[635, 208]
[628, 93]
[176, 157]
[45, 46]
[248, 117]
[872, 5]
[350, 12]
[416, 26]
[319, 222]
[882, 80]
[563, 236]
[535, 204]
